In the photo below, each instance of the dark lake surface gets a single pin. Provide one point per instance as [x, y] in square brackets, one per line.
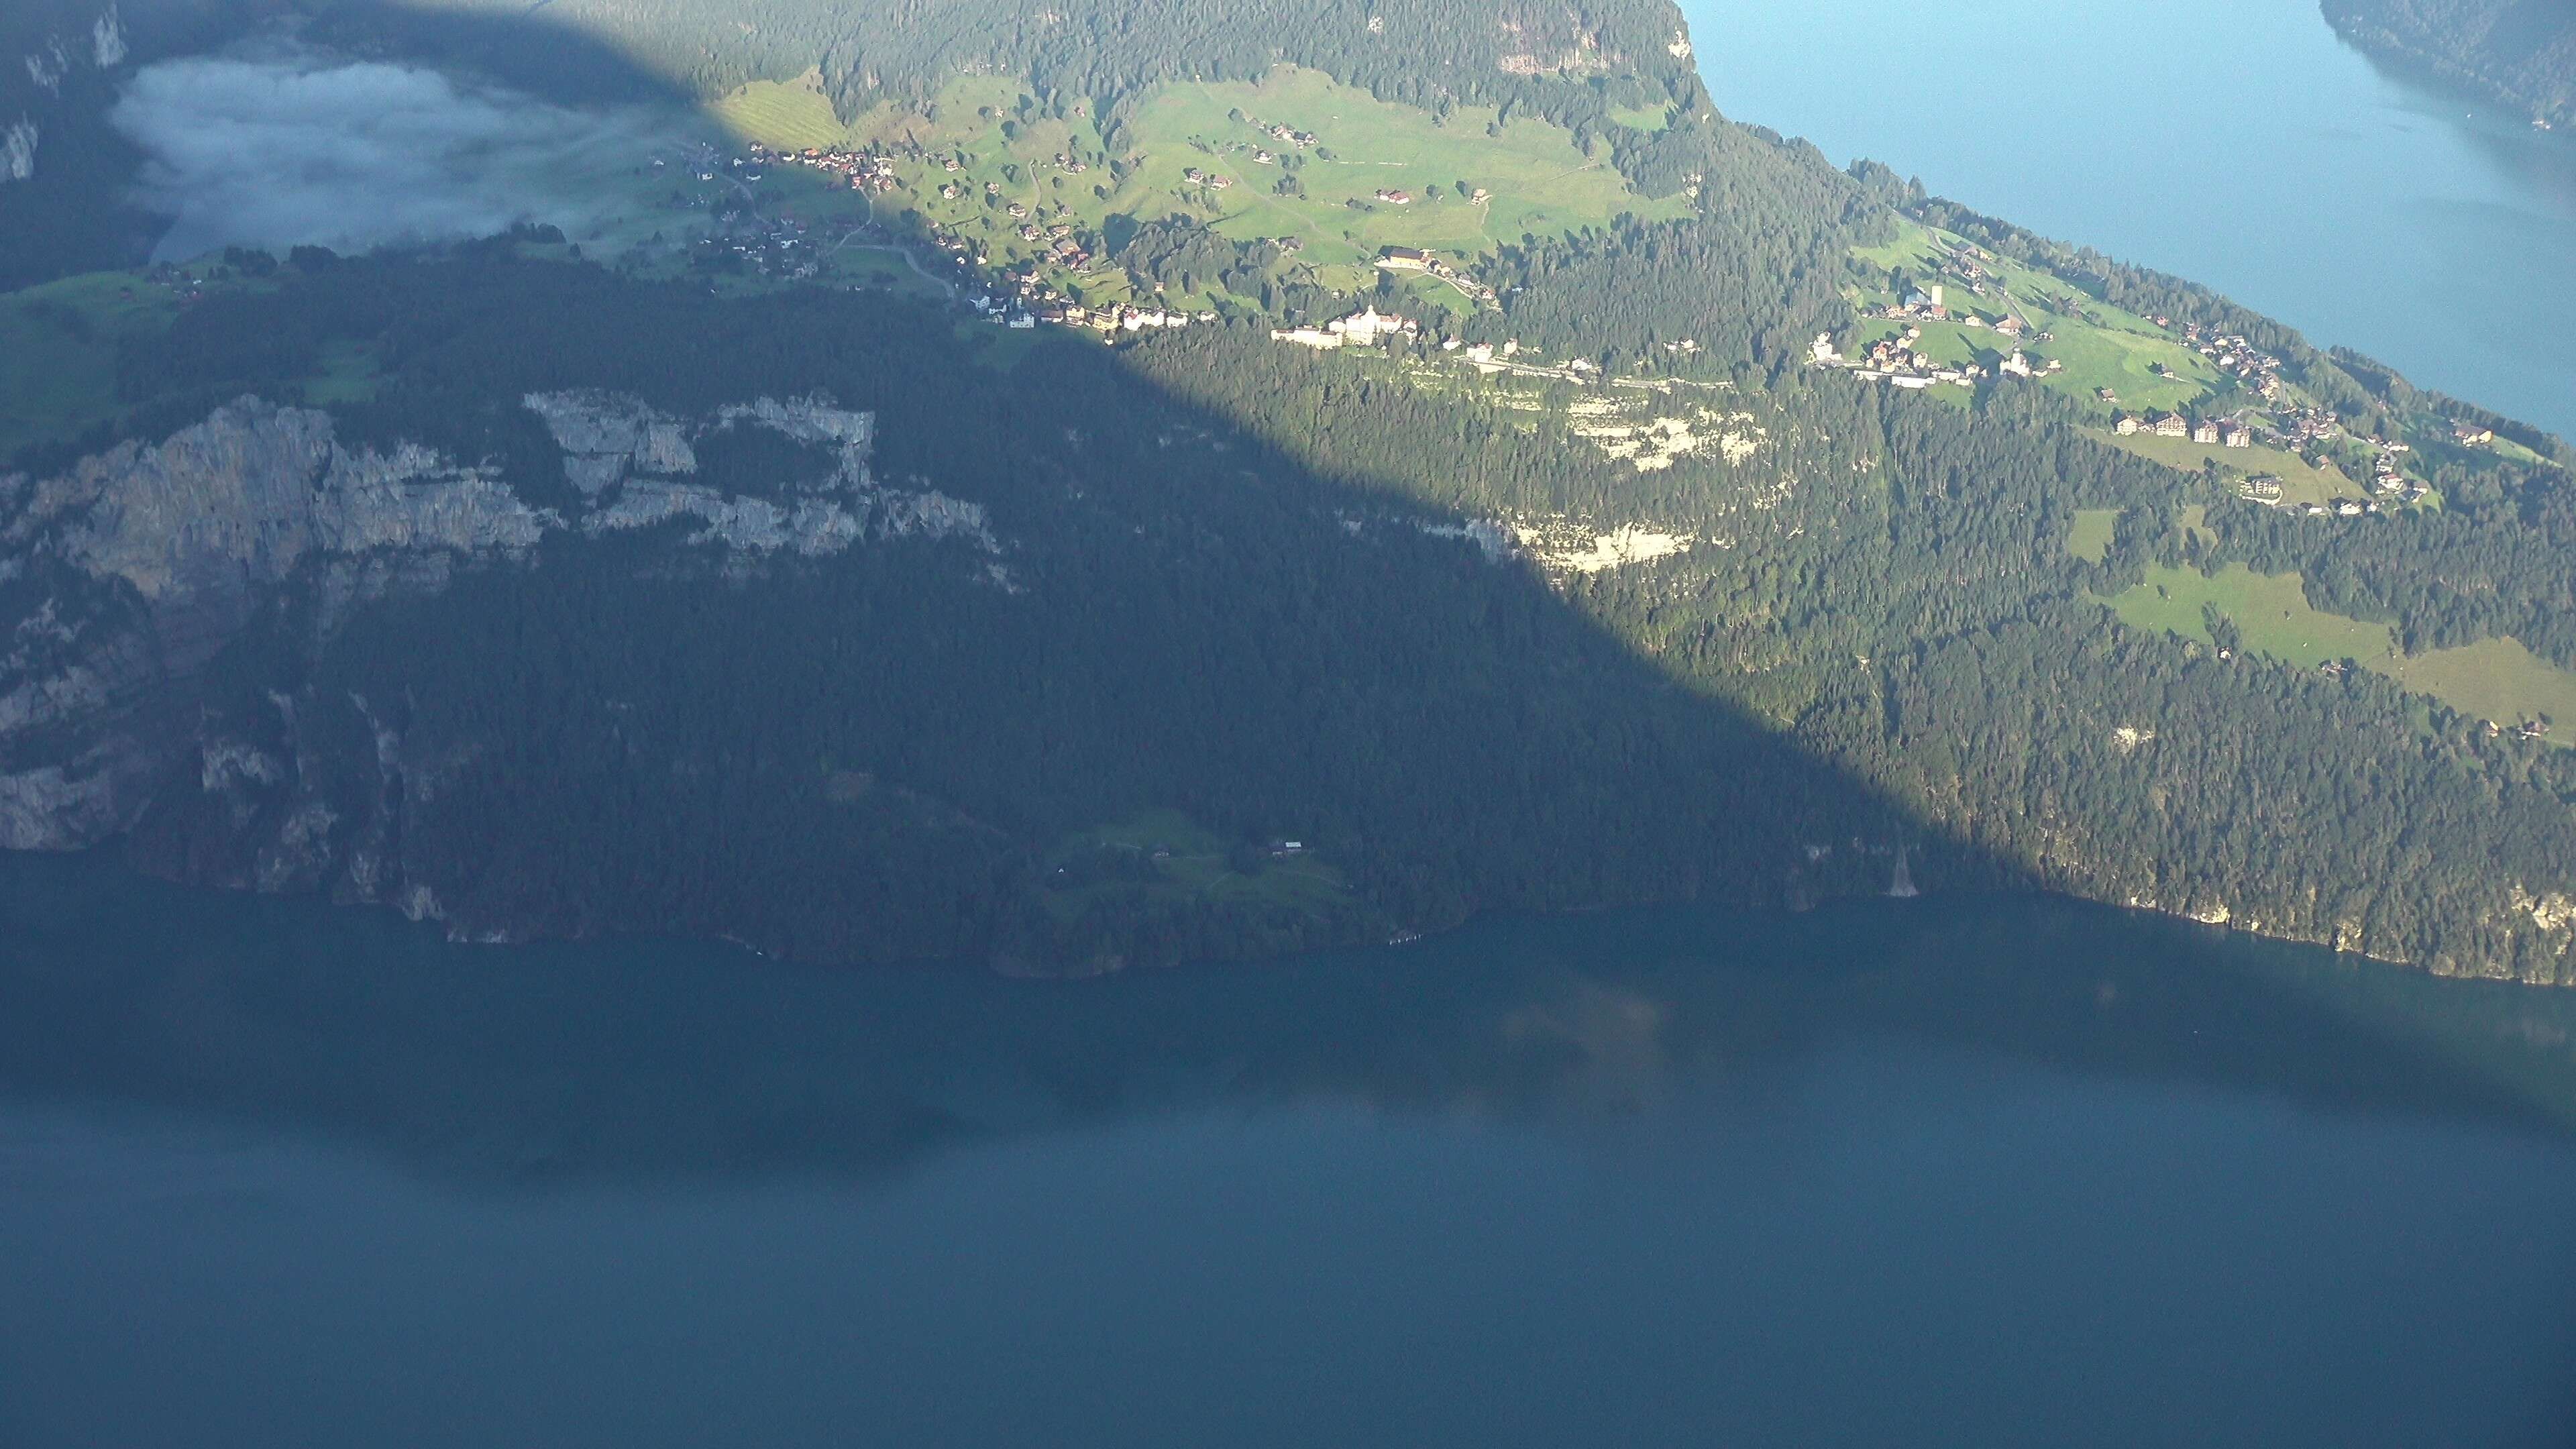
[1992, 1171]
[2239, 143]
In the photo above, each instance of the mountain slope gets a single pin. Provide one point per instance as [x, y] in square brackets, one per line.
[1677, 517]
[2520, 52]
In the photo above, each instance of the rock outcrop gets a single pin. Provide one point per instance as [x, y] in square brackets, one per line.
[125, 574]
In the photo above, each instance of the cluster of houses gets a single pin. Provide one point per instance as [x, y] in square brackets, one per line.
[1208, 179]
[1285, 135]
[1898, 362]
[1924, 304]
[2387, 477]
[2257, 370]
[1025, 311]
[864, 171]
[2305, 427]
[1931, 304]
[183, 286]
[779, 248]
[2215, 432]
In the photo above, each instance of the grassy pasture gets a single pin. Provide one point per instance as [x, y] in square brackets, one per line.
[2270, 610]
[58, 352]
[788, 114]
[2090, 538]
[1915, 246]
[2120, 359]
[2493, 679]
[2299, 482]
[1537, 182]
[1195, 868]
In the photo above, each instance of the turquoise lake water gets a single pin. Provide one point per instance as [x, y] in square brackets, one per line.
[2239, 143]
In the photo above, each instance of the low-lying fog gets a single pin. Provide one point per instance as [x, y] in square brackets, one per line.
[279, 146]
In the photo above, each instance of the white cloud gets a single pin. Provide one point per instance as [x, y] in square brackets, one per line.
[283, 147]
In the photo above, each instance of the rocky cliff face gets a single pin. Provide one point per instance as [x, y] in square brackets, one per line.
[633, 465]
[123, 576]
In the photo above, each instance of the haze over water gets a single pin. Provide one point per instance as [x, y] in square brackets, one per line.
[2239, 143]
[1968, 1171]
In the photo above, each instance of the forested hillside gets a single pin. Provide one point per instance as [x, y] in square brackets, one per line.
[2520, 52]
[1473, 52]
[1125, 484]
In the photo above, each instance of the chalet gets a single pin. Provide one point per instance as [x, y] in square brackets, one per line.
[1395, 198]
[2205, 432]
[2235, 435]
[2470, 435]
[1404, 259]
[2172, 425]
[2264, 488]
[2126, 425]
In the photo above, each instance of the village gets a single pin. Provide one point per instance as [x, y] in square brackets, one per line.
[1026, 293]
[2273, 419]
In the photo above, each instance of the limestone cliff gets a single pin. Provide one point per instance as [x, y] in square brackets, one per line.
[125, 574]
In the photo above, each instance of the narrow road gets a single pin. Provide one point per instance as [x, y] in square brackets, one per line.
[945, 284]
